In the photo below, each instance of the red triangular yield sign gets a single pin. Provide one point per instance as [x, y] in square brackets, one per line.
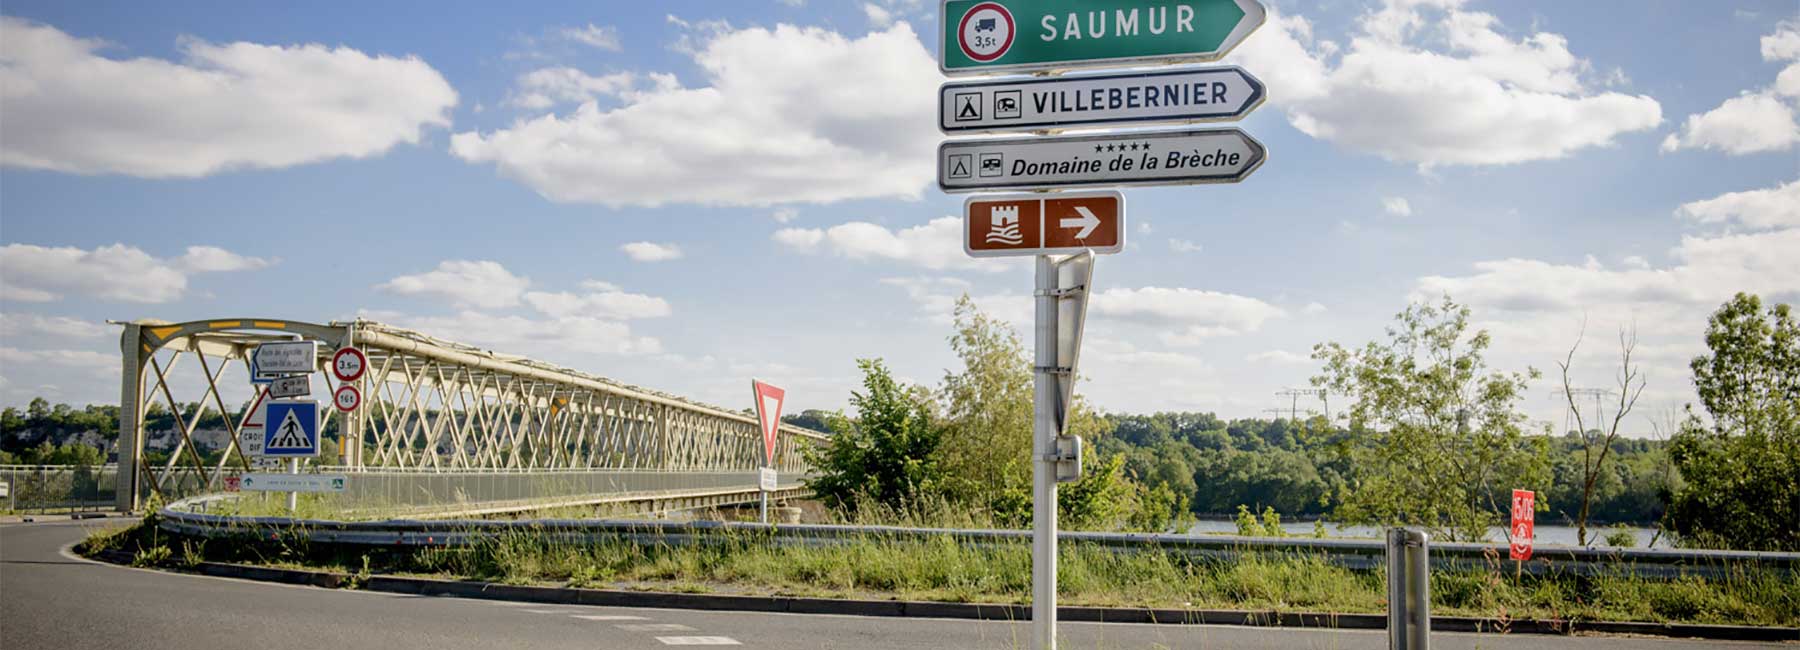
[768, 412]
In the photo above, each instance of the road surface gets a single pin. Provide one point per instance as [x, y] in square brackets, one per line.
[51, 599]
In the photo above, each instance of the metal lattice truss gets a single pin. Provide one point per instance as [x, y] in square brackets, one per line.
[428, 405]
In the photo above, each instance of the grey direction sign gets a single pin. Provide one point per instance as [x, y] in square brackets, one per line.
[291, 386]
[286, 356]
[1179, 157]
[1180, 96]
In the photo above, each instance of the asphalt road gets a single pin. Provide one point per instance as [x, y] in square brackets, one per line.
[50, 599]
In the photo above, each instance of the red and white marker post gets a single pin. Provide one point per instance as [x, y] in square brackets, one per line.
[1524, 508]
[768, 414]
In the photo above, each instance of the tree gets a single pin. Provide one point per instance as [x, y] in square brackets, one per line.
[1445, 430]
[1597, 445]
[987, 409]
[887, 455]
[1742, 473]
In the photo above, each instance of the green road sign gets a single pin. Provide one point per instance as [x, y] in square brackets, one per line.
[990, 36]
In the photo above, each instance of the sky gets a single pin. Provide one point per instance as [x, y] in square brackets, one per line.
[683, 195]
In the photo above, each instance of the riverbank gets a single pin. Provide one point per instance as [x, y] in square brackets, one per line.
[944, 570]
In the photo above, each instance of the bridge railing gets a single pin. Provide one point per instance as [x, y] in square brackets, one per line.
[427, 405]
[57, 488]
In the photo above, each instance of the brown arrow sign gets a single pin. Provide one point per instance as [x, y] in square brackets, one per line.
[1036, 224]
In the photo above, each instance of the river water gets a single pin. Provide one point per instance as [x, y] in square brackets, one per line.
[1546, 535]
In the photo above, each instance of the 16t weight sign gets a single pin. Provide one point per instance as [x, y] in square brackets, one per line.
[346, 398]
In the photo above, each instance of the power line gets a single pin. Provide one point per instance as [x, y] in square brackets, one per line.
[1293, 395]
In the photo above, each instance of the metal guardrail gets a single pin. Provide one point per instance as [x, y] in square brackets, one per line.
[57, 488]
[188, 517]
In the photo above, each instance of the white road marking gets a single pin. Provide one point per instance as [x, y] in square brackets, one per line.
[609, 617]
[698, 640]
[550, 611]
[655, 627]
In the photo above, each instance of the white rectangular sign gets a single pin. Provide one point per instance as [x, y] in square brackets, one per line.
[1130, 99]
[291, 386]
[294, 482]
[1120, 158]
[766, 479]
[287, 356]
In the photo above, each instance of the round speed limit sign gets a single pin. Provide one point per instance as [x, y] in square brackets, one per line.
[347, 398]
[348, 364]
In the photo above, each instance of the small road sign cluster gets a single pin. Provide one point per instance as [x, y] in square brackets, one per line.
[1047, 37]
[986, 37]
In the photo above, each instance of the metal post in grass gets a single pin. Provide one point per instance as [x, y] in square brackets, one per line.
[1409, 589]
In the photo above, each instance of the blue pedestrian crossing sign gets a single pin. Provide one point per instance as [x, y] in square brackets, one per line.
[291, 428]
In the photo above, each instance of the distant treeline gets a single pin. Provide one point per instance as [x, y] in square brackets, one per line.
[1279, 464]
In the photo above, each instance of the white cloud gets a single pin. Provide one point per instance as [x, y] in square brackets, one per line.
[1184, 316]
[547, 339]
[1279, 356]
[1481, 97]
[604, 37]
[1748, 123]
[1533, 308]
[778, 122]
[119, 272]
[1397, 206]
[878, 17]
[806, 239]
[547, 87]
[1754, 121]
[936, 298]
[14, 358]
[1708, 271]
[935, 245]
[22, 324]
[784, 214]
[482, 284]
[603, 301]
[212, 259]
[1777, 207]
[643, 251]
[1313, 308]
[230, 106]
[1185, 246]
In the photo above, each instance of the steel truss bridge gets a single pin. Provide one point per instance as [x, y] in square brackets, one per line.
[443, 428]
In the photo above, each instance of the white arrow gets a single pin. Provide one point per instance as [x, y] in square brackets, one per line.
[1087, 222]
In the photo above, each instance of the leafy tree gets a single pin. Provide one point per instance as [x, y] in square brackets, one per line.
[1445, 431]
[886, 455]
[987, 410]
[1742, 473]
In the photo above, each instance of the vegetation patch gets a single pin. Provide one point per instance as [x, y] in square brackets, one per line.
[949, 570]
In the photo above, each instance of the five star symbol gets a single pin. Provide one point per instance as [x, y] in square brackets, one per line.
[1122, 147]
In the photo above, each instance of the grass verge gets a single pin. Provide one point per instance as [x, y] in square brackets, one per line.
[943, 569]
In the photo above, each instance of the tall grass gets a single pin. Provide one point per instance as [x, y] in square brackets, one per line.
[943, 568]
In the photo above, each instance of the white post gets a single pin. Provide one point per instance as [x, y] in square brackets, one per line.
[293, 468]
[1043, 464]
[764, 509]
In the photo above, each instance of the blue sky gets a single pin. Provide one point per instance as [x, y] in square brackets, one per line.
[684, 194]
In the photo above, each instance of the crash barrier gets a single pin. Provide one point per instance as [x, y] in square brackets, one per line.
[191, 517]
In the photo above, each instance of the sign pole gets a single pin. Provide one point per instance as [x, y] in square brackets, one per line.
[293, 497]
[1043, 466]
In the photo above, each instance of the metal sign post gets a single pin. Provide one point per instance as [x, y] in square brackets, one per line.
[1409, 589]
[1063, 287]
[1043, 470]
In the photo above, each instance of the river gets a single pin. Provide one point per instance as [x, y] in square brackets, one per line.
[1546, 535]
